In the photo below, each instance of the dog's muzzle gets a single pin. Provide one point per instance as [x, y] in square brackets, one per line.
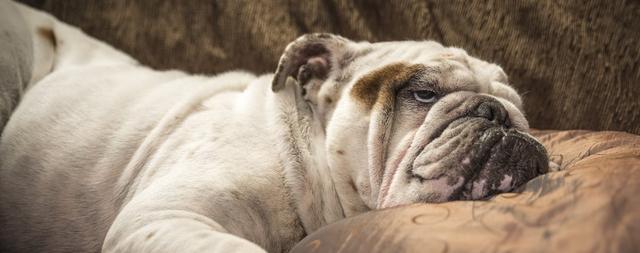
[477, 153]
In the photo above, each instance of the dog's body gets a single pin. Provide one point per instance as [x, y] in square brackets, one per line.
[104, 153]
[65, 156]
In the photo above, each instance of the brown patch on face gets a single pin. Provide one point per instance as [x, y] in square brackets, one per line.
[380, 85]
[48, 34]
[340, 152]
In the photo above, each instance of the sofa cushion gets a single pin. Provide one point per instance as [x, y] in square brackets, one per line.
[589, 205]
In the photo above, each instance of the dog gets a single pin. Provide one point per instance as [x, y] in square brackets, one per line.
[103, 153]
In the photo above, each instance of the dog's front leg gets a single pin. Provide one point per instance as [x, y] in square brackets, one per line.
[174, 219]
[173, 231]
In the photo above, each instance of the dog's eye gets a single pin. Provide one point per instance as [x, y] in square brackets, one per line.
[425, 96]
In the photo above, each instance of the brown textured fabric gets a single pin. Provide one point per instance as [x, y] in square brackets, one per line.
[16, 58]
[590, 205]
[577, 63]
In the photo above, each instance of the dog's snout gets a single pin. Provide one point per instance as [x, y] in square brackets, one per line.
[493, 111]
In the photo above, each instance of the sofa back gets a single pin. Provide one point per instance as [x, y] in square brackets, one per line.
[577, 63]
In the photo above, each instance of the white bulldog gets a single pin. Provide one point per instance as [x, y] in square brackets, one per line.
[105, 154]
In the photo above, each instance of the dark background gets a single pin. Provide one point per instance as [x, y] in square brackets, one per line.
[576, 63]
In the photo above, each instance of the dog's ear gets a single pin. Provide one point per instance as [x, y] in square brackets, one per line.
[311, 56]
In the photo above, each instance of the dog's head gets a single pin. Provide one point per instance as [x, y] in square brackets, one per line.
[413, 121]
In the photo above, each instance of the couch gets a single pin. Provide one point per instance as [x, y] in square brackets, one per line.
[577, 64]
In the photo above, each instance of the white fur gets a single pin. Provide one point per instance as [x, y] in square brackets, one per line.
[101, 144]
[105, 154]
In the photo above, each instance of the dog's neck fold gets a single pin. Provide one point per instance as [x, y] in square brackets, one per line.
[302, 152]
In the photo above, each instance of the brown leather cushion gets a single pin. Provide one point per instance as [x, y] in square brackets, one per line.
[590, 205]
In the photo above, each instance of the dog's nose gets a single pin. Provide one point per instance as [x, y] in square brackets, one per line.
[493, 111]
